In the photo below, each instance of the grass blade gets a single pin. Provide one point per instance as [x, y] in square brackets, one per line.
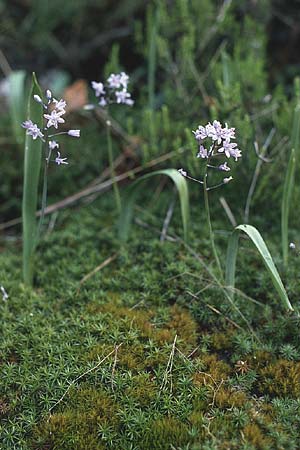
[17, 103]
[285, 206]
[127, 210]
[32, 166]
[259, 243]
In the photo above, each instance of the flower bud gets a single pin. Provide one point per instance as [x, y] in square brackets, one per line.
[37, 98]
[74, 133]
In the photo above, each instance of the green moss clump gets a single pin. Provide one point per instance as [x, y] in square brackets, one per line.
[228, 398]
[256, 437]
[281, 378]
[214, 371]
[77, 427]
[222, 341]
[165, 432]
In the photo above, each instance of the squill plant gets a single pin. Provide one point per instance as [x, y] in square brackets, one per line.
[215, 142]
[45, 115]
[114, 90]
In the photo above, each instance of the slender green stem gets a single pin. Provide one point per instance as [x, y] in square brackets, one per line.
[44, 194]
[111, 165]
[211, 233]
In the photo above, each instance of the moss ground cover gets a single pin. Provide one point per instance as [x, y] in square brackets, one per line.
[179, 375]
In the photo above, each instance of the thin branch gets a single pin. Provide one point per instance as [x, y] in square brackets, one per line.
[83, 375]
[168, 217]
[256, 174]
[98, 188]
[168, 371]
[97, 269]
[228, 211]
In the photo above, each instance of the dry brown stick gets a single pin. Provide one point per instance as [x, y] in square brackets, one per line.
[168, 217]
[168, 371]
[215, 310]
[101, 266]
[99, 188]
[114, 367]
[228, 211]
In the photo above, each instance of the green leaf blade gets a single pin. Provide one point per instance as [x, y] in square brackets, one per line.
[267, 259]
[127, 210]
[285, 205]
[32, 167]
[17, 102]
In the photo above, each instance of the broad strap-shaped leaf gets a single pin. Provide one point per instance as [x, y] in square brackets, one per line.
[128, 203]
[285, 205]
[32, 167]
[17, 101]
[259, 243]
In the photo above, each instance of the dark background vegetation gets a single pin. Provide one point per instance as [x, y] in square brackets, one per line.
[42, 35]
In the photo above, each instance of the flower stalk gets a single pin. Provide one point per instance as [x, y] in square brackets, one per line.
[217, 141]
[112, 169]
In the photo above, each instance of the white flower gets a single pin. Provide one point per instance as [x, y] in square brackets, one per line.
[32, 129]
[114, 81]
[182, 172]
[60, 105]
[124, 97]
[124, 78]
[102, 102]
[60, 160]
[215, 131]
[227, 180]
[224, 167]
[200, 133]
[229, 148]
[74, 133]
[292, 246]
[53, 145]
[48, 94]
[202, 152]
[98, 88]
[228, 133]
[54, 118]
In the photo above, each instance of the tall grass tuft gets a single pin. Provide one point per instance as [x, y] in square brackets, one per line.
[259, 243]
[32, 168]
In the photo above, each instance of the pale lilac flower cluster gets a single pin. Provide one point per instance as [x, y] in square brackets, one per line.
[214, 140]
[114, 90]
[54, 110]
[217, 139]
